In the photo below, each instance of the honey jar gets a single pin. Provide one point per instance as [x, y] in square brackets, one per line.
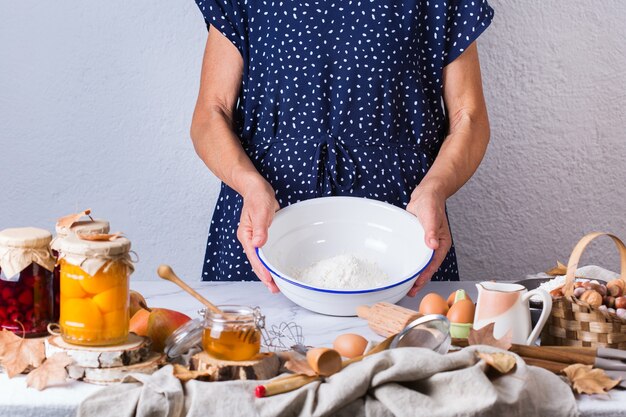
[88, 227]
[234, 335]
[26, 266]
[94, 280]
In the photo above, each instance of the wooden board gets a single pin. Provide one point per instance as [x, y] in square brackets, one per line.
[135, 350]
[108, 376]
[262, 366]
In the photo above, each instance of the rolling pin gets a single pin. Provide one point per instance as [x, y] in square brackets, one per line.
[387, 319]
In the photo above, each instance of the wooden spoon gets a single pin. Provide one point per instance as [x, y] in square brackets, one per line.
[167, 273]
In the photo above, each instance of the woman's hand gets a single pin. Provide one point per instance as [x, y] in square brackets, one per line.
[428, 206]
[259, 206]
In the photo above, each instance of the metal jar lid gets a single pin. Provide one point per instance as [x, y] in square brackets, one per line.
[186, 337]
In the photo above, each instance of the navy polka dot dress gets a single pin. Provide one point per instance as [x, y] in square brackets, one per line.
[338, 97]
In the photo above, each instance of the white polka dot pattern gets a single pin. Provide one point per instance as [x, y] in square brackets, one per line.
[339, 97]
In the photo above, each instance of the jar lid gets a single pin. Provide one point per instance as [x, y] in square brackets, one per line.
[20, 247]
[186, 337]
[72, 245]
[25, 237]
[85, 227]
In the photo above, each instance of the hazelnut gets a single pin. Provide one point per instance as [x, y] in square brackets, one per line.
[620, 302]
[593, 298]
[579, 291]
[621, 313]
[557, 292]
[609, 301]
[615, 287]
[596, 287]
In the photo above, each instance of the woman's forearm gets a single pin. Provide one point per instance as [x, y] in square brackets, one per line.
[219, 148]
[468, 136]
[460, 154]
[212, 127]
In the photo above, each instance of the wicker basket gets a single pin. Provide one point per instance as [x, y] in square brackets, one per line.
[573, 322]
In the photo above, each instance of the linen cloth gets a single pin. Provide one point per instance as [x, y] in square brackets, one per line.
[399, 382]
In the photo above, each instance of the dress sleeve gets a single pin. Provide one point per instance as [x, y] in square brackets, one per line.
[228, 17]
[466, 20]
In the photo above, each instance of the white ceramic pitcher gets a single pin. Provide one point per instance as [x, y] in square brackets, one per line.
[506, 305]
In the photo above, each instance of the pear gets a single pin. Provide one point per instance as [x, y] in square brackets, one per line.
[137, 302]
[158, 324]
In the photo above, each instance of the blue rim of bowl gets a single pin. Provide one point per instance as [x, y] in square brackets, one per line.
[331, 291]
[292, 281]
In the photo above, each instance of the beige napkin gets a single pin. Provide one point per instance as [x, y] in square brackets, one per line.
[400, 382]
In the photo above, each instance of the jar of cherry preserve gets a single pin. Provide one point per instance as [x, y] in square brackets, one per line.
[26, 265]
[94, 290]
[86, 227]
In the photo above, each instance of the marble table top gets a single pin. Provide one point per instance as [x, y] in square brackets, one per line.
[16, 400]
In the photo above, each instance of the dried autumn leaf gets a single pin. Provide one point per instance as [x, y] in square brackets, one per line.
[184, 374]
[66, 222]
[500, 361]
[559, 269]
[52, 372]
[99, 237]
[297, 363]
[17, 353]
[586, 380]
[484, 336]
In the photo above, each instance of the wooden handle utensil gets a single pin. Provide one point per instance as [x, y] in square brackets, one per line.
[167, 273]
[387, 319]
[295, 381]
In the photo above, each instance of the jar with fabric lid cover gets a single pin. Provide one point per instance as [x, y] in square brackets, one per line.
[94, 290]
[86, 227]
[26, 296]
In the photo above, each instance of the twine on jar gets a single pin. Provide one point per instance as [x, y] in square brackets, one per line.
[14, 260]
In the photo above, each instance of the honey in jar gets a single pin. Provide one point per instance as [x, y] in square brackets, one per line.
[234, 335]
[94, 280]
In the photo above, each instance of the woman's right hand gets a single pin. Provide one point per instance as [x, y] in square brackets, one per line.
[259, 206]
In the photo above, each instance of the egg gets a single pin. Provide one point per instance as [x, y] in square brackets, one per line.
[350, 345]
[452, 296]
[462, 312]
[433, 304]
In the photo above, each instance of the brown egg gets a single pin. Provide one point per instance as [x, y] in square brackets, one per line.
[350, 345]
[433, 304]
[452, 296]
[462, 312]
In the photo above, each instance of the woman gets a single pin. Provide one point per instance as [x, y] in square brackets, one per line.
[301, 99]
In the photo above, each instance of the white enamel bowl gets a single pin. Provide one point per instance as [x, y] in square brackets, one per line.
[312, 230]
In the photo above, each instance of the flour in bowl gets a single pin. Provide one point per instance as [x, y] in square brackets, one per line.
[343, 272]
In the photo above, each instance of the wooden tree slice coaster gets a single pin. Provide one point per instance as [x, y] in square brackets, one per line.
[262, 366]
[135, 350]
[108, 376]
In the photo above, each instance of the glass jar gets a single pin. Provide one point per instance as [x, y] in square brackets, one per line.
[232, 336]
[95, 226]
[94, 291]
[26, 295]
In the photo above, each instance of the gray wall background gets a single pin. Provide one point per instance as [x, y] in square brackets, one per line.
[96, 100]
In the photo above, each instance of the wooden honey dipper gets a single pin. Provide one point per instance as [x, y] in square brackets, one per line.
[167, 273]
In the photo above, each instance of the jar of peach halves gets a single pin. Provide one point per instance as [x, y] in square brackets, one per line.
[94, 290]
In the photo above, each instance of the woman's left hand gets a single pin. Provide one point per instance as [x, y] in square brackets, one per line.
[429, 207]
